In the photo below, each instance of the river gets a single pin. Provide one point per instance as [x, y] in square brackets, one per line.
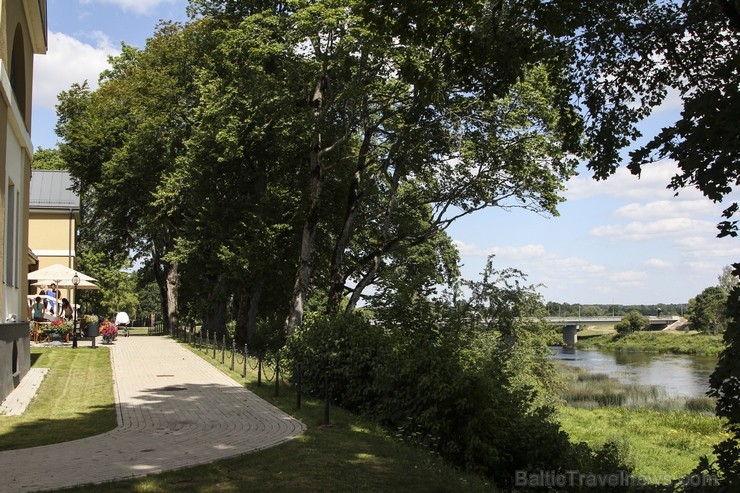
[679, 375]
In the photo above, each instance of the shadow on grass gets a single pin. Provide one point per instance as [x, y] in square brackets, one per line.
[25, 434]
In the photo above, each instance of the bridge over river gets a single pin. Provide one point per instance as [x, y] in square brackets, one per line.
[571, 324]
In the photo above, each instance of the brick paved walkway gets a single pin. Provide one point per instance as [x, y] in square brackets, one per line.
[175, 410]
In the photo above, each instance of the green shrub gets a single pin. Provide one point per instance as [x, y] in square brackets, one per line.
[341, 353]
[449, 391]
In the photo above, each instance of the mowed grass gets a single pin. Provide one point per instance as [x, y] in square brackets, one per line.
[349, 455]
[75, 399]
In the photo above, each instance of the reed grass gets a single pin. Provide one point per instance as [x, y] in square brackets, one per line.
[663, 445]
[586, 390]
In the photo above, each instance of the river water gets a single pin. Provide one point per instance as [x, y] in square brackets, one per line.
[679, 375]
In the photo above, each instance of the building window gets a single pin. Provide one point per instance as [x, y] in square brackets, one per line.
[18, 71]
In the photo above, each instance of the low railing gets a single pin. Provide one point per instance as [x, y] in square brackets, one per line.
[224, 351]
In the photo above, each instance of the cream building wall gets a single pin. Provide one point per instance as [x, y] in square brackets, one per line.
[51, 237]
[23, 34]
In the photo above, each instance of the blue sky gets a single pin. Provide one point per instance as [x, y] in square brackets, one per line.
[624, 240]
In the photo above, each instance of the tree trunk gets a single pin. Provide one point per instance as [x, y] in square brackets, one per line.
[377, 258]
[215, 319]
[167, 276]
[339, 275]
[172, 277]
[366, 280]
[246, 315]
[320, 100]
[308, 241]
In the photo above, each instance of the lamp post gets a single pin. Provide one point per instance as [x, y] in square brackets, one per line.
[75, 282]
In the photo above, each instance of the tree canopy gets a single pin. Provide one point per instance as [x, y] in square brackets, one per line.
[707, 311]
[48, 159]
[632, 322]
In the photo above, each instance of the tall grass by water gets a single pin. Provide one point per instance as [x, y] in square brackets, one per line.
[587, 390]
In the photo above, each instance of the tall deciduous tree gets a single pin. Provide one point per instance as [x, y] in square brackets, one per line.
[455, 107]
[725, 386]
[707, 312]
[121, 143]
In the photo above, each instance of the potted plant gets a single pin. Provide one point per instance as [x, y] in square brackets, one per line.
[91, 323]
[109, 331]
[61, 327]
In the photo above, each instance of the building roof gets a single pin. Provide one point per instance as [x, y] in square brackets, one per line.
[52, 190]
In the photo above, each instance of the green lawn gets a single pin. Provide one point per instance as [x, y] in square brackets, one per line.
[75, 399]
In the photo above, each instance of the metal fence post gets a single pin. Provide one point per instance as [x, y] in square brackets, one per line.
[223, 350]
[246, 355]
[233, 354]
[277, 375]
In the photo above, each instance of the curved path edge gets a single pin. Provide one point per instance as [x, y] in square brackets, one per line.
[175, 410]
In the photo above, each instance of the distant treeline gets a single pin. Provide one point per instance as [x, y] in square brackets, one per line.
[573, 310]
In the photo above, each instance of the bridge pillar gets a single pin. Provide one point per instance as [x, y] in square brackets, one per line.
[570, 335]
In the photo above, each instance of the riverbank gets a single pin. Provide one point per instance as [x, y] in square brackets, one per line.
[660, 437]
[672, 342]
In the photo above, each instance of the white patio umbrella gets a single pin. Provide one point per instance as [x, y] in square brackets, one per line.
[67, 284]
[58, 273]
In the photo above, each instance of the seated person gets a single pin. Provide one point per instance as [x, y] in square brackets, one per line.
[38, 310]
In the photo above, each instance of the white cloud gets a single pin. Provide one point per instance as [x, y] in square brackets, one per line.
[696, 247]
[521, 252]
[470, 249]
[672, 102]
[136, 6]
[659, 263]
[668, 209]
[69, 60]
[641, 231]
[650, 185]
